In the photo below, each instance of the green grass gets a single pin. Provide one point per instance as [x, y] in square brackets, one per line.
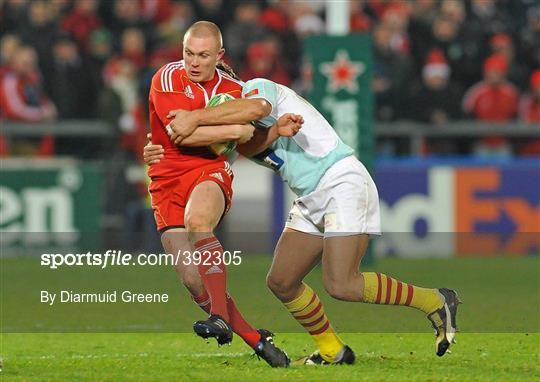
[500, 295]
[183, 357]
[499, 322]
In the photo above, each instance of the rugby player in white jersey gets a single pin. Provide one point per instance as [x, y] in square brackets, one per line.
[336, 211]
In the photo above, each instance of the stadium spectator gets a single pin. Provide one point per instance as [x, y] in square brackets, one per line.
[396, 19]
[216, 11]
[132, 50]
[493, 100]
[466, 31]
[133, 47]
[453, 10]
[13, 13]
[360, 20]
[276, 18]
[391, 73]
[99, 51]
[530, 38]
[22, 99]
[487, 18]
[503, 44]
[437, 99]
[8, 46]
[82, 21]
[423, 13]
[155, 11]
[243, 31]
[379, 7]
[71, 100]
[305, 20]
[40, 32]
[262, 61]
[119, 99]
[529, 105]
[126, 15]
[173, 28]
[59, 8]
[529, 112]
[445, 36]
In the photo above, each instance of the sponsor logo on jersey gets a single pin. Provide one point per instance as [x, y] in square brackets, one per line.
[188, 92]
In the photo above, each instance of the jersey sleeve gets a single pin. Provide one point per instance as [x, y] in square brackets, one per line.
[267, 90]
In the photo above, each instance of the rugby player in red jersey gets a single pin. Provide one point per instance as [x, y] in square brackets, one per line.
[191, 187]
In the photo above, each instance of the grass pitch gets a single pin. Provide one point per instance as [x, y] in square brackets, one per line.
[184, 357]
[500, 323]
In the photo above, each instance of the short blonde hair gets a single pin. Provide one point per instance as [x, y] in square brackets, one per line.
[203, 29]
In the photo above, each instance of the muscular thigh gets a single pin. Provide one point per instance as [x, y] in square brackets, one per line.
[295, 255]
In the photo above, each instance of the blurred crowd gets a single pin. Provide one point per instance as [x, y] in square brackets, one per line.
[435, 60]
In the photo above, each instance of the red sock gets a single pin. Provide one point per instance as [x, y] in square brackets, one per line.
[240, 326]
[203, 301]
[214, 274]
[237, 322]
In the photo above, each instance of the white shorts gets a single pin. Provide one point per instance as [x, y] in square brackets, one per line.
[345, 202]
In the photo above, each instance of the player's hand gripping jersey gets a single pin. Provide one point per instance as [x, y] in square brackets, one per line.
[182, 168]
[311, 152]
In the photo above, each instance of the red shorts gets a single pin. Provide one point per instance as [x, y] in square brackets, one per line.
[170, 195]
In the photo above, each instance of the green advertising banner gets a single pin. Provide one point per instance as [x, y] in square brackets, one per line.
[48, 204]
[341, 68]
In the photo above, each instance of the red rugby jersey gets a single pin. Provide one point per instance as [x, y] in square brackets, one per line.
[172, 89]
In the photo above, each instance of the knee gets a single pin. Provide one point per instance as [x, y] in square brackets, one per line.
[197, 223]
[337, 289]
[282, 288]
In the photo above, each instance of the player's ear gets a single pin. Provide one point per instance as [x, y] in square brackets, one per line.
[220, 54]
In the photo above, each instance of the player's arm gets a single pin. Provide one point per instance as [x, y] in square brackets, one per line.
[259, 102]
[231, 112]
[286, 126]
[203, 136]
[238, 111]
[207, 135]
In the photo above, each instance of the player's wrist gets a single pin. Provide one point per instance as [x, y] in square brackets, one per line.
[197, 117]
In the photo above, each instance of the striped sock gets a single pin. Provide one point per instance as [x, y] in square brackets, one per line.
[308, 310]
[382, 289]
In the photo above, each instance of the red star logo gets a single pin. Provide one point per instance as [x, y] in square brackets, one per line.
[342, 72]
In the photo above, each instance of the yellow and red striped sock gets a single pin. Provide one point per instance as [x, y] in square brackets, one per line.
[308, 310]
[382, 289]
